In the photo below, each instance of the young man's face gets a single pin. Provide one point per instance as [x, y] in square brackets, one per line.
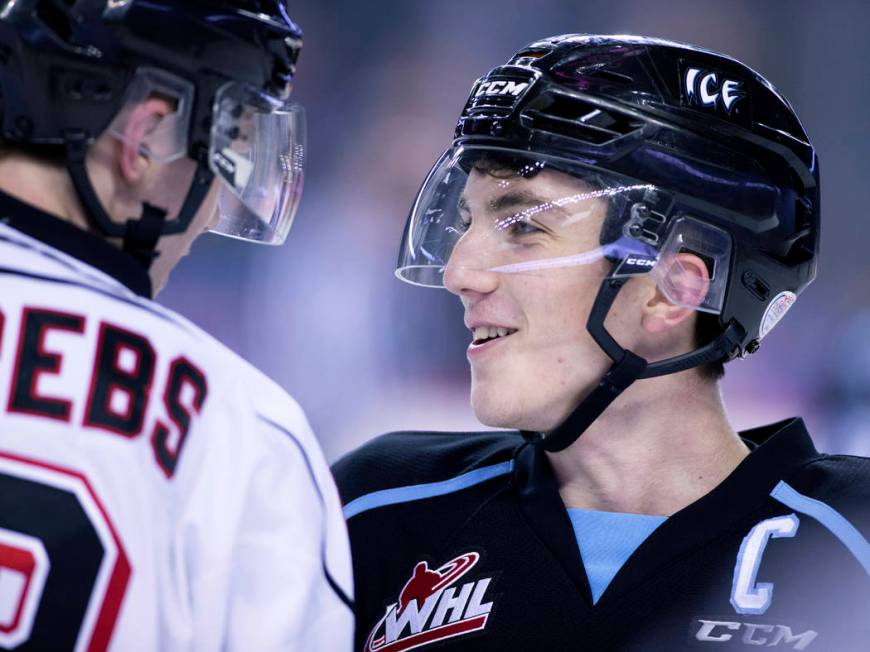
[532, 377]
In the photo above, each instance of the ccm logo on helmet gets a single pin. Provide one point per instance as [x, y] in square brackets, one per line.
[501, 88]
[641, 262]
[704, 87]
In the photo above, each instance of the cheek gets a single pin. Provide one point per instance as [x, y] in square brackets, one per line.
[559, 305]
[567, 354]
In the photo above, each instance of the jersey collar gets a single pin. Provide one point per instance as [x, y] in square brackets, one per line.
[75, 242]
[779, 450]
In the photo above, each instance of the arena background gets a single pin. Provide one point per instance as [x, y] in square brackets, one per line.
[383, 82]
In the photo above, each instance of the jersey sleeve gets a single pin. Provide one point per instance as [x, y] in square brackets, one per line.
[291, 586]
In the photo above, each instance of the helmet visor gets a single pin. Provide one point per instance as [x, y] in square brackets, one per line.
[257, 150]
[498, 210]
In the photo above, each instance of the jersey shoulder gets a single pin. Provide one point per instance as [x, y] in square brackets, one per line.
[401, 459]
[838, 483]
[269, 405]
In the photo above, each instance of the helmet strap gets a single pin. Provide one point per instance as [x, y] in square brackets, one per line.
[140, 236]
[627, 368]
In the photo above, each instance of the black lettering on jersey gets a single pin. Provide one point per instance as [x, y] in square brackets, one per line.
[33, 361]
[109, 377]
[182, 373]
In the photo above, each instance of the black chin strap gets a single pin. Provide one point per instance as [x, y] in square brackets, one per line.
[627, 368]
[140, 235]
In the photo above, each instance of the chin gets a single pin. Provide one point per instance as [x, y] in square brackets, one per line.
[497, 408]
[514, 408]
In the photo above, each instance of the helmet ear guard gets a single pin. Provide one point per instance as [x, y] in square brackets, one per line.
[167, 142]
[140, 236]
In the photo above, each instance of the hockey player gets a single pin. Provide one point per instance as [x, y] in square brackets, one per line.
[619, 216]
[156, 492]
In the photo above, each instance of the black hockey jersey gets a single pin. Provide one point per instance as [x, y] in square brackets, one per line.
[461, 541]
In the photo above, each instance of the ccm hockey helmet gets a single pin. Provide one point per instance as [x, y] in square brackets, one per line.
[672, 148]
[71, 69]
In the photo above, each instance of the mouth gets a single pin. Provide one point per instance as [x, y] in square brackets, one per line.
[485, 337]
[484, 334]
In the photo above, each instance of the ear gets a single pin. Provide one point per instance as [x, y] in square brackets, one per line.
[142, 121]
[681, 284]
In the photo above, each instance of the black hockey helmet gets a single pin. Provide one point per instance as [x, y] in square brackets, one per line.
[692, 150]
[68, 69]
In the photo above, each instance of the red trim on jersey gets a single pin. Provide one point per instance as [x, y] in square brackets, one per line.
[23, 561]
[56, 360]
[431, 635]
[120, 575]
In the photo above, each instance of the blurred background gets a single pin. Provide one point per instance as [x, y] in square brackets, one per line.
[383, 82]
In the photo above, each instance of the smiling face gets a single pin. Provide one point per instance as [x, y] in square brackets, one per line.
[531, 356]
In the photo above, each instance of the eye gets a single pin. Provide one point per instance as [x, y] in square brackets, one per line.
[520, 226]
[523, 227]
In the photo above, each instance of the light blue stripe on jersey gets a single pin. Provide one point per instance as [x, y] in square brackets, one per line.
[839, 526]
[606, 541]
[428, 490]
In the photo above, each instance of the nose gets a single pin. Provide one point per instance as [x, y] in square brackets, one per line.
[466, 272]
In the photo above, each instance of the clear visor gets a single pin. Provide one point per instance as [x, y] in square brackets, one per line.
[257, 150]
[486, 210]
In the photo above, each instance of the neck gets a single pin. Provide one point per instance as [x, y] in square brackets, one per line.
[650, 454]
[46, 187]
[49, 188]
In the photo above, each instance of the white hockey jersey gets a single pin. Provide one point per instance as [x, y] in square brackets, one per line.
[156, 491]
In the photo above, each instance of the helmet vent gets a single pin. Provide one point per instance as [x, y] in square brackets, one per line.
[569, 116]
[527, 57]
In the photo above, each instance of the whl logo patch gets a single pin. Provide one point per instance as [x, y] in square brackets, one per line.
[433, 606]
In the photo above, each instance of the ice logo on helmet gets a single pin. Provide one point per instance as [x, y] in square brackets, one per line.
[432, 608]
[704, 87]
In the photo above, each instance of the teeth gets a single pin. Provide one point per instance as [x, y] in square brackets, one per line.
[490, 332]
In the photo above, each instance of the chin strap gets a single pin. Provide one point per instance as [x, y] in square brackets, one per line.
[627, 368]
[140, 235]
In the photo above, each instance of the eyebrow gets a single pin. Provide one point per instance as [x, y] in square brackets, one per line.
[517, 199]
